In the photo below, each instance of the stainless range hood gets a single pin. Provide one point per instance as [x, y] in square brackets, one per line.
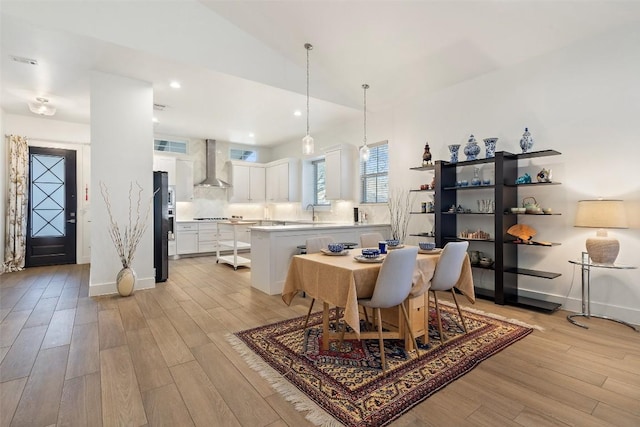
[211, 180]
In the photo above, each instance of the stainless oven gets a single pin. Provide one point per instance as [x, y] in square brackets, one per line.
[171, 197]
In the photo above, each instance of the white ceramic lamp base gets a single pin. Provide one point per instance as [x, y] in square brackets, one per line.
[602, 248]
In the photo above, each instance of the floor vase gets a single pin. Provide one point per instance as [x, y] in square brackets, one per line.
[126, 281]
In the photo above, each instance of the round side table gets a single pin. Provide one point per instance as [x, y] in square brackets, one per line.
[586, 265]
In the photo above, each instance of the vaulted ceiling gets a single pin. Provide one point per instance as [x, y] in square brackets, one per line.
[242, 63]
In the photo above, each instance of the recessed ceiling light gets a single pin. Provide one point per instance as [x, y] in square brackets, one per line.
[251, 135]
[24, 60]
[175, 84]
[297, 113]
[155, 120]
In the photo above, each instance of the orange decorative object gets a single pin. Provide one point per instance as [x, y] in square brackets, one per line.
[522, 231]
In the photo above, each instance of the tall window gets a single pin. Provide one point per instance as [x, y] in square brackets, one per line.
[374, 174]
[319, 193]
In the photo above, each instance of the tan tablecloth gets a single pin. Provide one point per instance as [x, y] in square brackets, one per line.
[341, 280]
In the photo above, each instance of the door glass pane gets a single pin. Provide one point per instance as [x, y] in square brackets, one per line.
[47, 195]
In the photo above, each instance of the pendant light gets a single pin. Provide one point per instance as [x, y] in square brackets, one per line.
[364, 150]
[307, 141]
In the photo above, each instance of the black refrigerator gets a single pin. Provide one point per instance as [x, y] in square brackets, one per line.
[161, 225]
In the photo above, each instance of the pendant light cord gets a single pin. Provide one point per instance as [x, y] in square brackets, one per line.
[308, 46]
[365, 87]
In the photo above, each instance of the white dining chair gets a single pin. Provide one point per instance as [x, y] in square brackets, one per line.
[370, 240]
[392, 288]
[446, 275]
[314, 245]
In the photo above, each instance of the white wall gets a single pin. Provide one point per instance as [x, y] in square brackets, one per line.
[3, 186]
[582, 101]
[121, 154]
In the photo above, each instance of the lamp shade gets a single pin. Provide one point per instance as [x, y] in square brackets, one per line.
[601, 214]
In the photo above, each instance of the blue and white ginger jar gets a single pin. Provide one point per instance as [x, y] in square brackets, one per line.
[472, 149]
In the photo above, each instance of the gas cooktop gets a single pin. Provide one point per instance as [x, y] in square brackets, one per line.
[212, 219]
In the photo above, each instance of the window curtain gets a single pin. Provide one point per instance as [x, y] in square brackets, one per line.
[16, 223]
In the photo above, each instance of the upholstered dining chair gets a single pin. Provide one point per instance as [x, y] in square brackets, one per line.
[392, 288]
[446, 276]
[314, 245]
[370, 240]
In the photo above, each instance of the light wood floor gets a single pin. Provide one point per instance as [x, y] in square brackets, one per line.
[161, 358]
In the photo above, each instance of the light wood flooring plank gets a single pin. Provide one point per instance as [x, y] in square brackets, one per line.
[111, 329]
[200, 297]
[86, 312]
[60, 329]
[240, 396]
[42, 395]
[28, 300]
[173, 348]
[4, 312]
[164, 407]
[53, 290]
[151, 369]
[68, 298]
[11, 326]
[202, 318]
[84, 352]
[149, 306]
[3, 352]
[164, 298]
[204, 402]
[10, 392]
[132, 317]
[616, 416]
[121, 399]
[81, 405]
[189, 330]
[486, 417]
[42, 313]
[20, 358]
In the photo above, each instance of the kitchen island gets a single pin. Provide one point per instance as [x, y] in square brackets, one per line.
[273, 246]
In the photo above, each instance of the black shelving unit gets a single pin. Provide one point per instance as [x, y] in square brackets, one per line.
[505, 193]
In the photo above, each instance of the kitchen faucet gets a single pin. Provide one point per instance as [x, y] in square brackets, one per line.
[313, 211]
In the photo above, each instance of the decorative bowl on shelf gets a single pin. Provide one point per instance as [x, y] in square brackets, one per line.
[393, 242]
[371, 253]
[336, 247]
[486, 262]
[427, 246]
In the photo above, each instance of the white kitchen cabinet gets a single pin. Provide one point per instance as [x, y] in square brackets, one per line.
[248, 182]
[184, 180]
[207, 237]
[340, 164]
[166, 164]
[187, 238]
[283, 181]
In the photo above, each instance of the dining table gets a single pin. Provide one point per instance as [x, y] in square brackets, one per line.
[340, 280]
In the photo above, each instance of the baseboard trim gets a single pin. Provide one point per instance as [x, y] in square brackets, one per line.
[100, 289]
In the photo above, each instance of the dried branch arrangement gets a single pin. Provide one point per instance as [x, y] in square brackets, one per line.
[126, 238]
[399, 203]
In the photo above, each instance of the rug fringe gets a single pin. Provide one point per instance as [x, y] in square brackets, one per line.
[280, 384]
[494, 316]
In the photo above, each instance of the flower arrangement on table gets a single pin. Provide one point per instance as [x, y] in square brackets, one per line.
[399, 203]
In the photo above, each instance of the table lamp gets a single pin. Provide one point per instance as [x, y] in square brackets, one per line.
[601, 214]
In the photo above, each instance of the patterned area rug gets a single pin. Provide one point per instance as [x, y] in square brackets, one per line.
[346, 386]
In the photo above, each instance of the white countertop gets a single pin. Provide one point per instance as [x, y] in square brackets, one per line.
[313, 226]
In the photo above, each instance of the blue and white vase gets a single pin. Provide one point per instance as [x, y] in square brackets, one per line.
[472, 149]
[453, 149]
[490, 145]
[526, 142]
